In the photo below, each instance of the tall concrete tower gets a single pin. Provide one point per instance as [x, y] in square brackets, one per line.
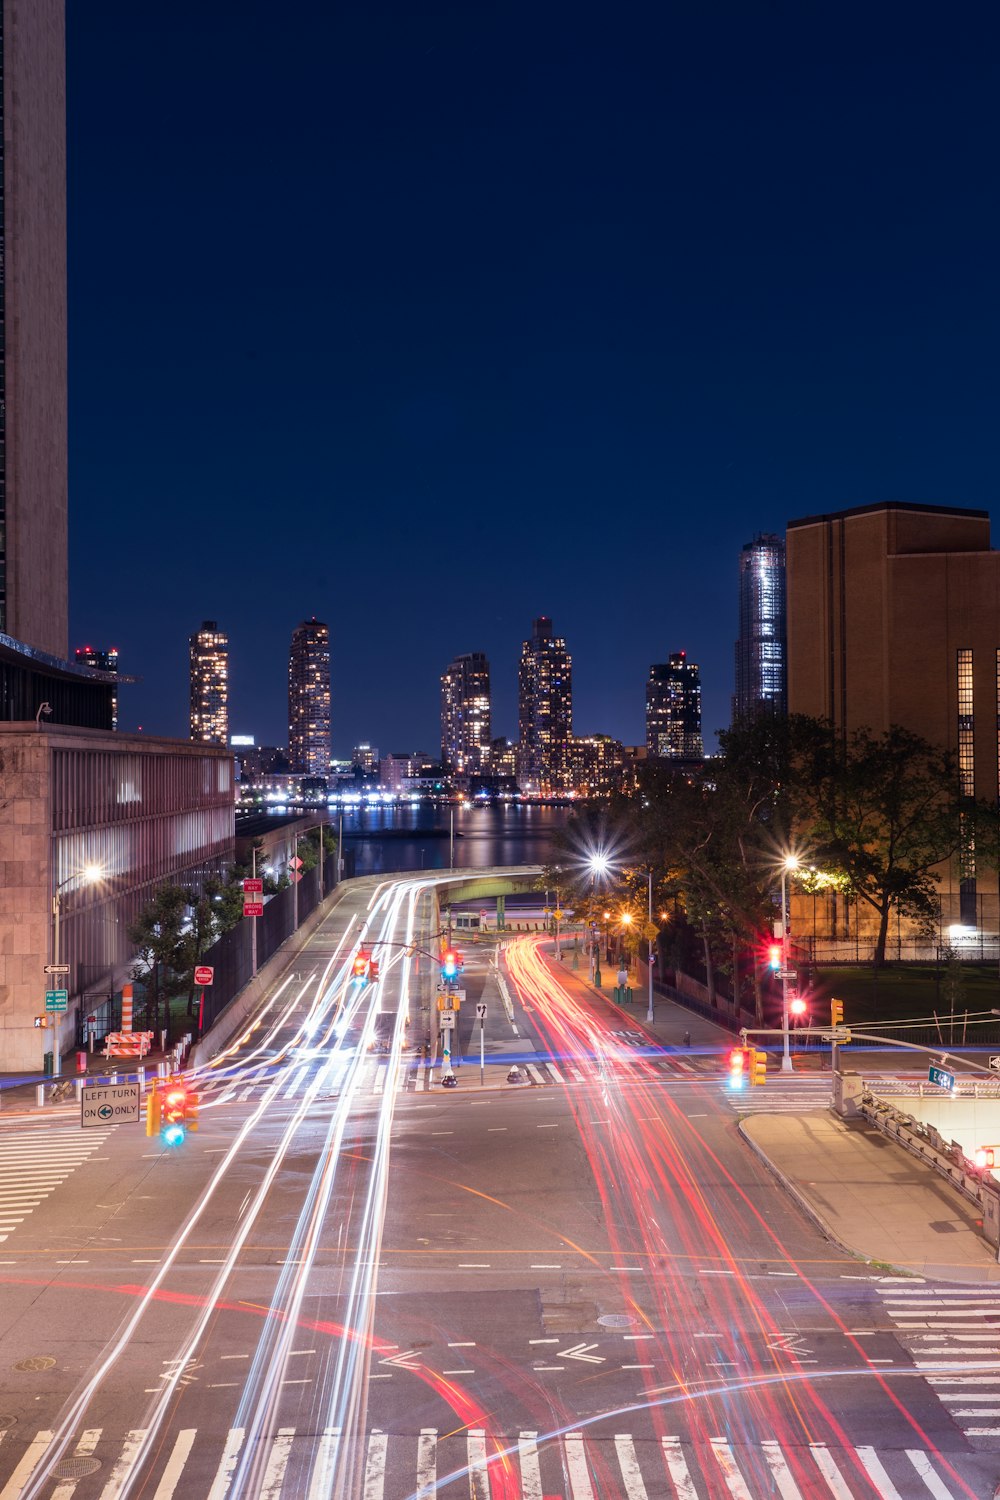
[309, 699]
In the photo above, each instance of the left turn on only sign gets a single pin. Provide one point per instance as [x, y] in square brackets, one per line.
[111, 1104]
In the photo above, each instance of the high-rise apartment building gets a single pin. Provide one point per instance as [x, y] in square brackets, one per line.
[762, 648]
[101, 661]
[33, 446]
[365, 758]
[673, 709]
[545, 711]
[309, 699]
[894, 619]
[209, 651]
[465, 714]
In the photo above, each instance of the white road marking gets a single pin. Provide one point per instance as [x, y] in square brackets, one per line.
[124, 1464]
[375, 1467]
[628, 1462]
[531, 1474]
[227, 1463]
[576, 1467]
[277, 1462]
[775, 1460]
[84, 1448]
[678, 1470]
[922, 1464]
[730, 1472]
[479, 1479]
[426, 1463]
[879, 1478]
[321, 1481]
[175, 1464]
[36, 1450]
[828, 1468]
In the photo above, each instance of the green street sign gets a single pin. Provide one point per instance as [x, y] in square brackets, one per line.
[56, 999]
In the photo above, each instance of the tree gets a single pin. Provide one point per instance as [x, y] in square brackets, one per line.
[884, 810]
[158, 936]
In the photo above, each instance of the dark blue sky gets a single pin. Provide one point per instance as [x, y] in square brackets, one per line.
[427, 318]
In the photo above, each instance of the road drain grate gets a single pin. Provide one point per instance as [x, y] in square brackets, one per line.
[74, 1468]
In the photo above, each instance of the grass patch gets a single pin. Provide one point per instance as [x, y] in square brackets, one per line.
[902, 991]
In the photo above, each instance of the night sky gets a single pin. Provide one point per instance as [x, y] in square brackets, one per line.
[430, 318]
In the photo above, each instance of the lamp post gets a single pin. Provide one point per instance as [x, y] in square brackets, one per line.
[649, 946]
[599, 864]
[87, 876]
[607, 939]
[790, 862]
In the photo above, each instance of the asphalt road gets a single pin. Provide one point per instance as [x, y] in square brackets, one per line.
[352, 1282]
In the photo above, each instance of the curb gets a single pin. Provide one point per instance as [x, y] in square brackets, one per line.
[807, 1208]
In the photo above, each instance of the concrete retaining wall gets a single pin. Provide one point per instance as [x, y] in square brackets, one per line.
[239, 1010]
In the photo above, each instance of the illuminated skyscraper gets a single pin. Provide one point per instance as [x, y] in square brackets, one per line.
[210, 685]
[102, 661]
[673, 709]
[545, 711]
[309, 699]
[762, 649]
[465, 714]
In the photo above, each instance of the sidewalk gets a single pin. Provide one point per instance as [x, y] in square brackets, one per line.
[18, 1091]
[863, 1191]
[872, 1197]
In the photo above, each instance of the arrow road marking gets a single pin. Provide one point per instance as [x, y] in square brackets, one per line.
[400, 1360]
[581, 1351]
[789, 1343]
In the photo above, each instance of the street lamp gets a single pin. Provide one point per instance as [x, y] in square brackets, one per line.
[598, 864]
[649, 946]
[87, 876]
[790, 862]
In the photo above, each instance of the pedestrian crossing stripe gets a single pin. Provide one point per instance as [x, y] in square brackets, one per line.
[941, 1328]
[417, 1467]
[34, 1163]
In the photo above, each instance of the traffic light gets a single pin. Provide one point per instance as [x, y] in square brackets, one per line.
[191, 1109]
[797, 1006]
[758, 1067]
[984, 1156]
[774, 956]
[739, 1066]
[836, 1012]
[449, 963]
[153, 1111]
[361, 961]
[373, 968]
[173, 1112]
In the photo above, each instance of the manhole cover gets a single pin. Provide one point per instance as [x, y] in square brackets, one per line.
[617, 1320]
[74, 1468]
[36, 1362]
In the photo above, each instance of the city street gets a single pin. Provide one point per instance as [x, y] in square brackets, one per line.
[351, 1282]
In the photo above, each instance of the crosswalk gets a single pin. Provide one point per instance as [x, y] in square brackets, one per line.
[782, 1095]
[33, 1162]
[472, 1462]
[953, 1336]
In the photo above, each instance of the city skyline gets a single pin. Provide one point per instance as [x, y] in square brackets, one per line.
[520, 358]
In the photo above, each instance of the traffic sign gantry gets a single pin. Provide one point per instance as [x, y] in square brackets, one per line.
[940, 1076]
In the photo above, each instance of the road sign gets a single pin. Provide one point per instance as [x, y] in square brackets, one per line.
[447, 1020]
[204, 974]
[109, 1105]
[56, 999]
[940, 1076]
[995, 1064]
[55, 969]
[788, 973]
[254, 885]
[480, 1011]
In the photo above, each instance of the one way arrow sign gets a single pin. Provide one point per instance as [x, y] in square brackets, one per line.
[582, 1351]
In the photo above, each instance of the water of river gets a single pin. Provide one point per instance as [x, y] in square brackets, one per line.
[416, 837]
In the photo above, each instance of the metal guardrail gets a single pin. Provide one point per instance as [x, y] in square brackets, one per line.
[967, 1088]
[946, 1157]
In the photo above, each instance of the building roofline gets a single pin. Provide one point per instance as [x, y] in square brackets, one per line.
[23, 655]
[867, 510]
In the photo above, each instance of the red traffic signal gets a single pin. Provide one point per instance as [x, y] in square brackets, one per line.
[449, 963]
[774, 956]
[173, 1113]
[739, 1066]
[797, 1006]
[361, 961]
